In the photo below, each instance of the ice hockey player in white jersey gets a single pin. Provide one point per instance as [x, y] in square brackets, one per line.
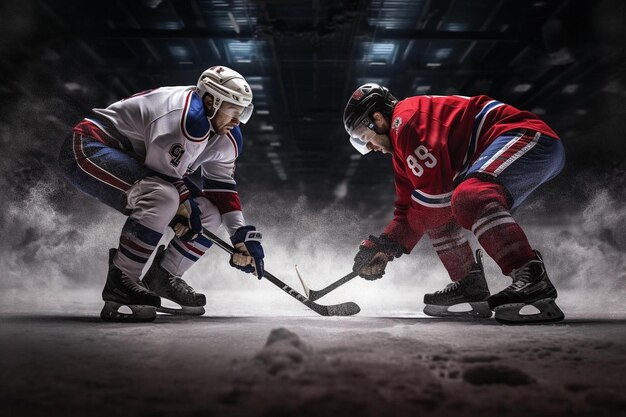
[135, 156]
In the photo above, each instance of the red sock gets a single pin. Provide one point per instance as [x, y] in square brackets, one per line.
[452, 247]
[483, 208]
[502, 238]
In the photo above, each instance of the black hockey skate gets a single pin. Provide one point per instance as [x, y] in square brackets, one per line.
[531, 286]
[471, 289]
[121, 290]
[174, 289]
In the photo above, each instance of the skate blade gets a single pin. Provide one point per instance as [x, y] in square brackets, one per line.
[479, 310]
[183, 311]
[549, 312]
[140, 313]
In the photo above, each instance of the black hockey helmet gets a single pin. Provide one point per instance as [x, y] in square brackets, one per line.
[366, 100]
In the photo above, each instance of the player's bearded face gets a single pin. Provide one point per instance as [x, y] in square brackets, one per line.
[380, 143]
[377, 142]
[226, 118]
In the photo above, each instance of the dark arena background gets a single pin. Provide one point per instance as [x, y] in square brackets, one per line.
[258, 351]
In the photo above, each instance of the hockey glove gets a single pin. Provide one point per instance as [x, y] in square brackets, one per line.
[187, 188]
[373, 255]
[194, 190]
[187, 224]
[249, 252]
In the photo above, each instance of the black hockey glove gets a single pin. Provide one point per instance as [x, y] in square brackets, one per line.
[187, 223]
[373, 255]
[249, 252]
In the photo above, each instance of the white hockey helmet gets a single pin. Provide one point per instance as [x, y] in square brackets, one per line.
[226, 85]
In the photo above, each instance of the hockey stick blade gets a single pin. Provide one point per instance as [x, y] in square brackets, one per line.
[314, 295]
[343, 309]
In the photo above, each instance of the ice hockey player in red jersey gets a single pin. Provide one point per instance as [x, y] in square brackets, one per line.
[460, 163]
[136, 156]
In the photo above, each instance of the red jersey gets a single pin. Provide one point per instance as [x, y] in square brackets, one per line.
[435, 139]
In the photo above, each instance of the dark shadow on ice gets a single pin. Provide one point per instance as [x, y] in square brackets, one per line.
[594, 321]
[95, 319]
[49, 318]
[492, 322]
[165, 318]
[426, 320]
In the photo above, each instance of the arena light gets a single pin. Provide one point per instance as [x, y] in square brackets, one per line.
[377, 53]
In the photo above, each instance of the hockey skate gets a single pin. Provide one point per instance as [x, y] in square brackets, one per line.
[173, 288]
[121, 290]
[531, 286]
[471, 289]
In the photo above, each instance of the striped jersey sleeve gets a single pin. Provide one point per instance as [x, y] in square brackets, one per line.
[218, 179]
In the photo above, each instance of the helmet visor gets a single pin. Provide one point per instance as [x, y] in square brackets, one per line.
[359, 146]
[360, 136]
[240, 113]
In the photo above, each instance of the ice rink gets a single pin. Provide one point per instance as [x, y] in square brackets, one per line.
[58, 358]
[268, 356]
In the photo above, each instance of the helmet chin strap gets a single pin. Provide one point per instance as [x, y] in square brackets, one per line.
[211, 115]
[209, 110]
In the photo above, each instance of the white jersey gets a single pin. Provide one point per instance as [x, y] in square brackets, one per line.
[168, 129]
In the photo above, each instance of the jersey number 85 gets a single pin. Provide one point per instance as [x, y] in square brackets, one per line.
[427, 159]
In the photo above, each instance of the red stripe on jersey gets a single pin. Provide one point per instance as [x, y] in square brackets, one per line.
[224, 201]
[88, 128]
[94, 170]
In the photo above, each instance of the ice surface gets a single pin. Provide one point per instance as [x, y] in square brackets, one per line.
[283, 351]
[70, 364]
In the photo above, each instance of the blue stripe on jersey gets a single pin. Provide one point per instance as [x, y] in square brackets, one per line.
[478, 120]
[196, 122]
[142, 232]
[440, 200]
[208, 184]
[183, 251]
[236, 132]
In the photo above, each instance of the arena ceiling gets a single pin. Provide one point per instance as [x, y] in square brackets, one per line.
[563, 60]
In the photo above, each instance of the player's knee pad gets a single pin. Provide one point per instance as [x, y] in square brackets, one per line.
[153, 201]
[472, 196]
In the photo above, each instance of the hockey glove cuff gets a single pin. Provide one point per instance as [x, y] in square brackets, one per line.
[187, 223]
[186, 189]
[249, 252]
[373, 255]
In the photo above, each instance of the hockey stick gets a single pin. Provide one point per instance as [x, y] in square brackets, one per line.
[343, 309]
[314, 295]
